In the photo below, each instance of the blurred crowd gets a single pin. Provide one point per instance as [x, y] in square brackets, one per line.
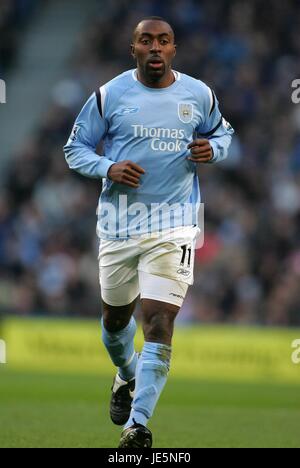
[249, 268]
[13, 17]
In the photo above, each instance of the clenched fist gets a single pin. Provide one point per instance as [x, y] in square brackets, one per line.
[201, 151]
[126, 173]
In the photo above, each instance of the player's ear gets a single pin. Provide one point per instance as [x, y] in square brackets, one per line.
[175, 50]
[132, 48]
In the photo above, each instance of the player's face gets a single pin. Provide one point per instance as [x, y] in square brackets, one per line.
[154, 49]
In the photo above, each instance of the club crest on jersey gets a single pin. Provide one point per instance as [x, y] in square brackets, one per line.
[185, 112]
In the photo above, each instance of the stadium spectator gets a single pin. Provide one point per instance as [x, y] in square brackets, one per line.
[249, 268]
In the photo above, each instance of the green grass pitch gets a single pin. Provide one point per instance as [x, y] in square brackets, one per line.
[44, 410]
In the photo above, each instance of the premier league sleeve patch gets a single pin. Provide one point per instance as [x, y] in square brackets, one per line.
[226, 124]
[74, 132]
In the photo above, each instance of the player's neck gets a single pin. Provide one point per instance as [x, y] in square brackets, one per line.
[165, 81]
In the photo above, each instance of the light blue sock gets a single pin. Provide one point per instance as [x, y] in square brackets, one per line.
[151, 376]
[120, 347]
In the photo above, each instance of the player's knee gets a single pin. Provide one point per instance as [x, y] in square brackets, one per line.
[158, 324]
[113, 324]
[158, 330]
[116, 319]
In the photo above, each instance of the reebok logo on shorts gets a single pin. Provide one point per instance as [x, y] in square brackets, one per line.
[183, 272]
[177, 295]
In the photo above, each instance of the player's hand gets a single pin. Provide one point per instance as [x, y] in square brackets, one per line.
[126, 173]
[201, 151]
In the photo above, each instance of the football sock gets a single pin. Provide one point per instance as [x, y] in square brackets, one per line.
[151, 376]
[120, 347]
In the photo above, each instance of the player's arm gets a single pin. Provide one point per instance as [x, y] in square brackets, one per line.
[214, 136]
[80, 151]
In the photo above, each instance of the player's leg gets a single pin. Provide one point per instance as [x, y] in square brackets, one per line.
[118, 331]
[165, 273]
[158, 316]
[154, 363]
[119, 290]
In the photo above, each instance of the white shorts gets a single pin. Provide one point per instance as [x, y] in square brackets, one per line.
[158, 267]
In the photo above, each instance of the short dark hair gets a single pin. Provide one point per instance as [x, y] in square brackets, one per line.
[151, 18]
[154, 18]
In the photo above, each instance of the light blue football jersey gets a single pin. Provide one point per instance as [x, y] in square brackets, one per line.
[151, 127]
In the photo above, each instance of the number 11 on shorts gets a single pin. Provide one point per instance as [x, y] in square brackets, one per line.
[185, 249]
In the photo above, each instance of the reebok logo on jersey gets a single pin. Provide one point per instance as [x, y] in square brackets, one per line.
[129, 110]
[158, 135]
